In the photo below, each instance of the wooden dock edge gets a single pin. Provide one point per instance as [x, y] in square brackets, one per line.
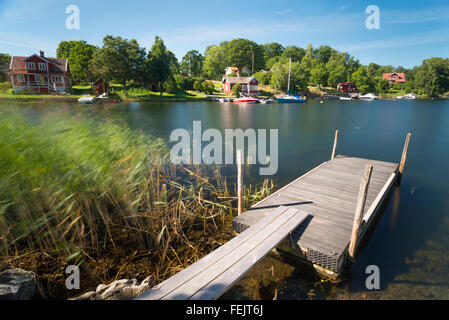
[295, 252]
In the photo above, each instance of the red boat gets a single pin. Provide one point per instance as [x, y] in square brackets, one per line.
[246, 100]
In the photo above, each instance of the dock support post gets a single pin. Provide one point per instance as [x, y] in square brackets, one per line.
[240, 180]
[335, 144]
[363, 191]
[404, 153]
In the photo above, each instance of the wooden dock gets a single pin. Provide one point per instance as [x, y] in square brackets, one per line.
[325, 213]
[329, 193]
[211, 276]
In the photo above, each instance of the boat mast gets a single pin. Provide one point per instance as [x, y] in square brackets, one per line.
[289, 69]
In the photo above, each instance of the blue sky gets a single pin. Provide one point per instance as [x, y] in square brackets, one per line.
[410, 31]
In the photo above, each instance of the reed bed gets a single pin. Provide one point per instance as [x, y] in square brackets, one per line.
[97, 194]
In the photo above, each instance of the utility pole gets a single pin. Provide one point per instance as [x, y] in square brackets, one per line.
[252, 67]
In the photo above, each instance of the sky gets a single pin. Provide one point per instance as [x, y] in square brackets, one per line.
[410, 31]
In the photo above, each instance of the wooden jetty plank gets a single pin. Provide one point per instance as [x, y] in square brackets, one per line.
[207, 275]
[180, 278]
[225, 280]
[189, 278]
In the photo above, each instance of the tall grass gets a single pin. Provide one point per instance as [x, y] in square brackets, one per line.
[70, 186]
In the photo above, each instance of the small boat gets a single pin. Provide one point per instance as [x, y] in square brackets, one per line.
[265, 101]
[291, 98]
[245, 100]
[368, 96]
[345, 98]
[86, 100]
[410, 96]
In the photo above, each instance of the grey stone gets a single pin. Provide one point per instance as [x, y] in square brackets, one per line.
[17, 284]
[124, 289]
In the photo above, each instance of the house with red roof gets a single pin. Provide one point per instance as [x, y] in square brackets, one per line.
[394, 77]
[38, 74]
[250, 85]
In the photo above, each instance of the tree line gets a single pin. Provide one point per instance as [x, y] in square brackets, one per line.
[125, 62]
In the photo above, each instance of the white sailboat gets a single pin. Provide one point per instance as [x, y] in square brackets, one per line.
[290, 98]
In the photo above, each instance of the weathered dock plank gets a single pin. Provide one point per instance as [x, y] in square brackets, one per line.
[212, 275]
[329, 193]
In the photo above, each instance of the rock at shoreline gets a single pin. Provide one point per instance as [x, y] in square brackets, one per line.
[17, 284]
[124, 289]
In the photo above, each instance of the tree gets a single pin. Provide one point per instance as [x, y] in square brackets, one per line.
[432, 77]
[240, 53]
[64, 48]
[271, 50]
[324, 53]
[382, 85]
[192, 63]
[319, 75]
[119, 59]
[293, 52]
[159, 63]
[298, 78]
[336, 74]
[362, 81]
[173, 62]
[79, 59]
[215, 61]
[5, 59]
[236, 90]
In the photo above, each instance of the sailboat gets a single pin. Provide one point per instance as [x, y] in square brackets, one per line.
[290, 98]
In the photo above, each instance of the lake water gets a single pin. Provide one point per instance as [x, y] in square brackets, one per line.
[410, 243]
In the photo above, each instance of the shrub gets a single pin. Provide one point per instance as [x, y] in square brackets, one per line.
[5, 86]
[237, 89]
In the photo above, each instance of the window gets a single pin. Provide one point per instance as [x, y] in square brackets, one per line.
[31, 66]
[57, 79]
[42, 66]
[20, 78]
[36, 78]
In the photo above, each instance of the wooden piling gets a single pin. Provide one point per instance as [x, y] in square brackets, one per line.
[363, 191]
[404, 153]
[240, 180]
[335, 144]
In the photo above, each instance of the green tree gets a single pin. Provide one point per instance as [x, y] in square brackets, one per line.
[159, 63]
[64, 48]
[336, 74]
[299, 77]
[79, 59]
[215, 62]
[5, 59]
[324, 53]
[240, 53]
[293, 52]
[319, 75]
[192, 63]
[362, 81]
[382, 85]
[119, 60]
[432, 77]
[236, 90]
[271, 50]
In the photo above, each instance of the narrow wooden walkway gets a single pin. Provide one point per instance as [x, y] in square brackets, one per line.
[329, 193]
[211, 276]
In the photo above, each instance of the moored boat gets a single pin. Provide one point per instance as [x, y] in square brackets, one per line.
[86, 100]
[368, 96]
[245, 100]
[290, 98]
[345, 98]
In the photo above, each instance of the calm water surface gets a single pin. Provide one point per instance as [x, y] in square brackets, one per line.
[410, 243]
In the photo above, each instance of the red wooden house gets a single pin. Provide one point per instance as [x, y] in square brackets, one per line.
[250, 85]
[348, 87]
[394, 77]
[39, 74]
